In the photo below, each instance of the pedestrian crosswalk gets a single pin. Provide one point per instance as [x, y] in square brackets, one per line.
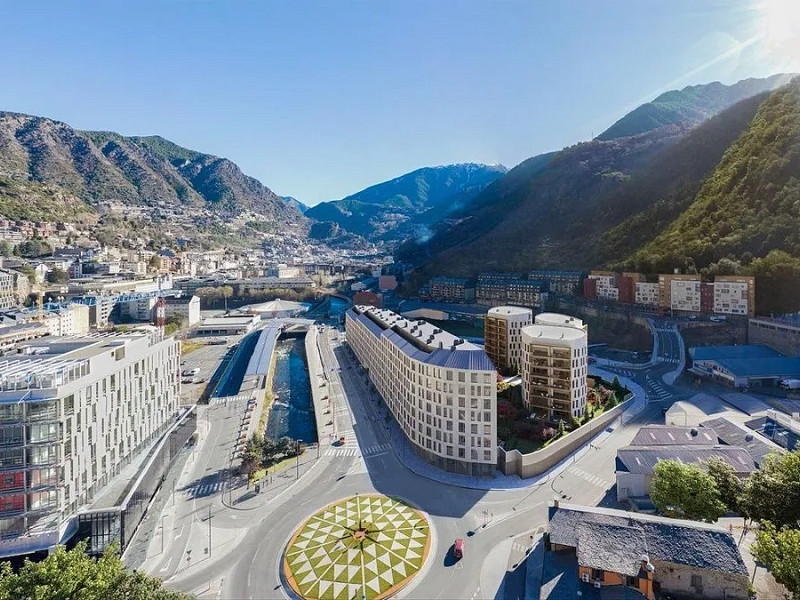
[201, 490]
[341, 451]
[376, 450]
[228, 399]
[669, 360]
[593, 479]
[656, 391]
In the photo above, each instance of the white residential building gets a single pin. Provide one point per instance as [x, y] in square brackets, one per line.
[502, 333]
[188, 307]
[554, 368]
[68, 321]
[8, 291]
[73, 412]
[646, 293]
[440, 389]
[685, 295]
[606, 285]
[731, 297]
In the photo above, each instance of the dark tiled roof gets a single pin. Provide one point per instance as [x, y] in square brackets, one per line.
[671, 435]
[609, 539]
[732, 434]
[642, 460]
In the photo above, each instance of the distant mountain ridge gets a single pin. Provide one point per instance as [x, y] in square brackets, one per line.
[393, 209]
[693, 104]
[720, 197]
[96, 166]
[294, 202]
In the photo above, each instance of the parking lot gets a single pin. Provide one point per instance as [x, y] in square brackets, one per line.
[206, 359]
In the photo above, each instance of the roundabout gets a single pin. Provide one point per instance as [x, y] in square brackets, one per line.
[366, 546]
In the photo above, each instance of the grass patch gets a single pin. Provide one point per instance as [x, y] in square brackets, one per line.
[189, 347]
[261, 473]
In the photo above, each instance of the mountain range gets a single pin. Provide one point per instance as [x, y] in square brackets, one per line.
[715, 197]
[40, 157]
[406, 206]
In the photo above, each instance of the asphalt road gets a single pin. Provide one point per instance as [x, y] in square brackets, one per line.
[245, 560]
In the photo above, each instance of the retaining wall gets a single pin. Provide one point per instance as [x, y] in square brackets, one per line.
[536, 463]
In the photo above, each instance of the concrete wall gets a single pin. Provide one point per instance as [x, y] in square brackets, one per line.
[631, 485]
[677, 579]
[782, 337]
[536, 463]
[315, 371]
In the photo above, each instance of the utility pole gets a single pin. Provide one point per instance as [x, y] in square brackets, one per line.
[209, 531]
[297, 463]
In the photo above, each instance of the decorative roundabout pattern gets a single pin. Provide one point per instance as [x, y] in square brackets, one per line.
[360, 547]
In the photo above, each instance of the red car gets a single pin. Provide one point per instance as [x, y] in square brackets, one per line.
[458, 549]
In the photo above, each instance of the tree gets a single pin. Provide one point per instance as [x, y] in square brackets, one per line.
[75, 574]
[728, 484]
[28, 271]
[779, 551]
[773, 492]
[6, 248]
[252, 457]
[58, 276]
[561, 427]
[685, 491]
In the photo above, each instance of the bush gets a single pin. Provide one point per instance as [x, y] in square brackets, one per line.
[506, 410]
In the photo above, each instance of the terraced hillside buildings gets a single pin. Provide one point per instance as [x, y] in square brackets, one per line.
[441, 389]
[502, 333]
[74, 411]
[554, 366]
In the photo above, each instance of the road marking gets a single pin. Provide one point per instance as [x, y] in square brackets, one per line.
[593, 479]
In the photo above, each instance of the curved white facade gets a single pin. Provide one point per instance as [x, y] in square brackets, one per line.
[554, 366]
[440, 389]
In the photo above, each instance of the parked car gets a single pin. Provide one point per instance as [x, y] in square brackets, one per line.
[458, 549]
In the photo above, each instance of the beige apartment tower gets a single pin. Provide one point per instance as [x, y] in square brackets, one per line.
[502, 333]
[554, 368]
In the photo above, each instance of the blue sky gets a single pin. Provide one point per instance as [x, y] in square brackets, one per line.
[321, 99]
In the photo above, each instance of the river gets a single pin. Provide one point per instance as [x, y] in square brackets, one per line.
[292, 412]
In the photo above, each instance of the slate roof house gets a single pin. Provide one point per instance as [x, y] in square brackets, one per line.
[623, 554]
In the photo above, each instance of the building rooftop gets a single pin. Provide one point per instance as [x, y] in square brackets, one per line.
[184, 299]
[228, 321]
[643, 459]
[510, 311]
[780, 366]
[559, 320]
[54, 361]
[450, 280]
[671, 435]
[606, 538]
[732, 434]
[548, 332]
[732, 352]
[421, 340]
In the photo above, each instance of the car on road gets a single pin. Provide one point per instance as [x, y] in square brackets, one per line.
[190, 372]
[458, 549]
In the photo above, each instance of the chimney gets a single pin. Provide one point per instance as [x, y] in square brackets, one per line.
[555, 502]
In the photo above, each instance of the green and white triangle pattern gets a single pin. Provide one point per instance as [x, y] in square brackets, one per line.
[327, 561]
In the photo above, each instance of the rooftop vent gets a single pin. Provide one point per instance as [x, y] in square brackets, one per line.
[694, 432]
[748, 437]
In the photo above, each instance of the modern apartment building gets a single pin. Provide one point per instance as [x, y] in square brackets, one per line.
[646, 293]
[440, 389]
[502, 333]
[679, 292]
[186, 306]
[8, 292]
[492, 290]
[605, 284]
[735, 295]
[74, 411]
[562, 283]
[451, 289]
[554, 372]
